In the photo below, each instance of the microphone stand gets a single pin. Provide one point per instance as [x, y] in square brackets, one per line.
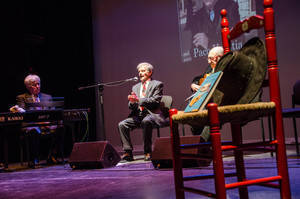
[99, 93]
[101, 116]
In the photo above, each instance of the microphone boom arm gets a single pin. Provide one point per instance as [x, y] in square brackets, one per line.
[114, 83]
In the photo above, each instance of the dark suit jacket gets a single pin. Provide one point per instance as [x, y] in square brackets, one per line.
[27, 98]
[151, 102]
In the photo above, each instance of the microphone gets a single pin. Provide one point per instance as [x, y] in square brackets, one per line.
[134, 79]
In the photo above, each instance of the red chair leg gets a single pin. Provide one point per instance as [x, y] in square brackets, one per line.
[239, 159]
[217, 151]
[273, 68]
[281, 157]
[177, 165]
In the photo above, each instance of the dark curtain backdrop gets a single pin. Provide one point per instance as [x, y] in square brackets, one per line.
[52, 38]
[127, 32]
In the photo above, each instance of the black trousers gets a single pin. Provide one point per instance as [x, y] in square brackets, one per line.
[33, 144]
[204, 132]
[146, 122]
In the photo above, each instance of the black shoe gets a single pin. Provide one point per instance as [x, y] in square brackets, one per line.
[147, 157]
[52, 160]
[33, 164]
[128, 156]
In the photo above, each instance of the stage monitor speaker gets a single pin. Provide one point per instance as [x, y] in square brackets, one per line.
[162, 153]
[93, 155]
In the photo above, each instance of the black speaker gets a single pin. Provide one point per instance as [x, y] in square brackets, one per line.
[162, 153]
[93, 155]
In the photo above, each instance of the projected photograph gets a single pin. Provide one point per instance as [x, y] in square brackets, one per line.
[199, 25]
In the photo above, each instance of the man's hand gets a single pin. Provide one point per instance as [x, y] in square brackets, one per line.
[195, 87]
[133, 98]
[16, 109]
[205, 87]
[200, 39]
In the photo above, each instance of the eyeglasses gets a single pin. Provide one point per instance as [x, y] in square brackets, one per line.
[34, 84]
[214, 58]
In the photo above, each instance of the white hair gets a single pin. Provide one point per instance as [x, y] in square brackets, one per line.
[31, 78]
[216, 51]
[148, 66]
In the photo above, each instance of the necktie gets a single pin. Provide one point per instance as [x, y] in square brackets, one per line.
[212, 15]
[37, 100]
[143, 94]
[144, 89]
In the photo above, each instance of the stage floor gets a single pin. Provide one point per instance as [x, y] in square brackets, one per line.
[137, 179]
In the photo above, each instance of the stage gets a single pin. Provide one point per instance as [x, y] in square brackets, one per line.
[137, 179]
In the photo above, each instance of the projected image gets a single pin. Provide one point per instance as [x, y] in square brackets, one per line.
[199, 25]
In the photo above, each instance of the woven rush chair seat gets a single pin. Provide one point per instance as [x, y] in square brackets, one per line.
[239, 113]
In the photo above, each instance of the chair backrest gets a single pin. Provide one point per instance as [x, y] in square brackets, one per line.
[296, 94]
[166, 104]
[167, 101]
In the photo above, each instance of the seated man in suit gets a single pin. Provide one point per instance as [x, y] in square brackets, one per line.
[33, 95]
[214, 56]
[144, 100]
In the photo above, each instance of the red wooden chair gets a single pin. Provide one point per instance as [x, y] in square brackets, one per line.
[236, 115]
